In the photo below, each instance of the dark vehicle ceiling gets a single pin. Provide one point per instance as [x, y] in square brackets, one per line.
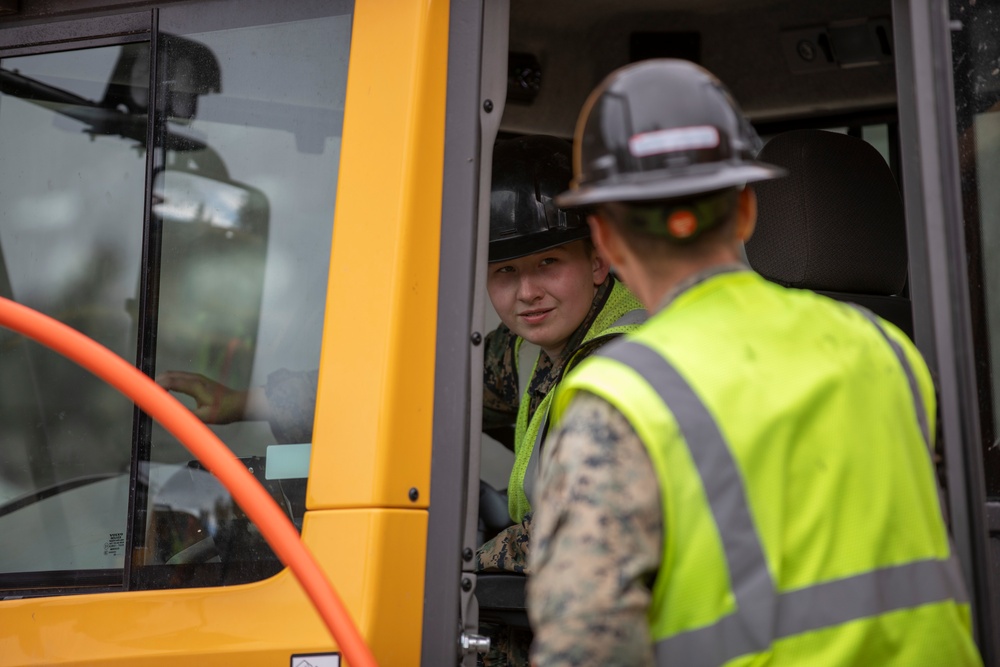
[578, 43]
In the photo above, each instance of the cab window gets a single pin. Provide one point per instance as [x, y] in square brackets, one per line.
[977, 107]
[186, 226]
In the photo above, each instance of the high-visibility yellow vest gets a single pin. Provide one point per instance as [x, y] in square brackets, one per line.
[622, 313]
[790, 436]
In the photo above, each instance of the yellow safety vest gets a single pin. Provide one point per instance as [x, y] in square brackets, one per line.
[622, 313]
[801, 518]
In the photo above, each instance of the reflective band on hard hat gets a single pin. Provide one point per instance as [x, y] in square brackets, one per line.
[673, 139]
[763, 615]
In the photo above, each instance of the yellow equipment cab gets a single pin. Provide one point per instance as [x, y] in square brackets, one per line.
[281, 209]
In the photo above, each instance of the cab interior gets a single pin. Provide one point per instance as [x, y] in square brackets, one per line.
[790, 66]
[796, 69]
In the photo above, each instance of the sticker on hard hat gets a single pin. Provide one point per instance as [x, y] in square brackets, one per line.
[674, 140]
[682, 224]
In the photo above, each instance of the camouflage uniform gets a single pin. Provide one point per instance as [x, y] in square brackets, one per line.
[600, 512]
[508, 551]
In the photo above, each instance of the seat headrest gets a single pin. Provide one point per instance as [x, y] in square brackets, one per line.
[835, 222]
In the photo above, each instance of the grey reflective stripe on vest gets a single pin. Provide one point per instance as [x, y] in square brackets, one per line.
[632, 317]
[637, 316]
[531, 471]
[918, 401]
[763, 615]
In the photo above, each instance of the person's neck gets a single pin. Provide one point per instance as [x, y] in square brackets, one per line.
[657, 286]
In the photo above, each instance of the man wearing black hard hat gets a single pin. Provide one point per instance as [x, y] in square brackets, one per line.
[747, 479]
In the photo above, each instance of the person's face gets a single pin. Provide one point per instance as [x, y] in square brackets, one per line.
[544, 297]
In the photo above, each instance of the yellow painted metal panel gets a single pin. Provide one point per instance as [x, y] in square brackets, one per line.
[374, 557]
[372, 437]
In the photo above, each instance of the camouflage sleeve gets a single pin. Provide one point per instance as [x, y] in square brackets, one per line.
[500, 390]
[291, 397]
[508, 551]
[596, 542]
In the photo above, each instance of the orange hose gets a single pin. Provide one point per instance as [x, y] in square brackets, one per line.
[201, 442]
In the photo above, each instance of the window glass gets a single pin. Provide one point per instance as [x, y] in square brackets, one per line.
[878, 136]
[976, 55]
[245, 199]
[223, 279]
[71, 227]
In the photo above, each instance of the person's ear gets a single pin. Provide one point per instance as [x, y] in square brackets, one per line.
[604, 240]
[746, 211]
[599, 265]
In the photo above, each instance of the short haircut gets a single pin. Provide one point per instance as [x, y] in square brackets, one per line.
[652, 247]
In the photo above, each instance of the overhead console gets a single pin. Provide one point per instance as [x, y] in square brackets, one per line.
[780, 60]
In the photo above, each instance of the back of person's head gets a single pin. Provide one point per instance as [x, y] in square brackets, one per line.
[667, 227]
[663, 150]
[528, 173]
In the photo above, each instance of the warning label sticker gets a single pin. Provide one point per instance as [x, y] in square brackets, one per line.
[316, 660]
[115, 544]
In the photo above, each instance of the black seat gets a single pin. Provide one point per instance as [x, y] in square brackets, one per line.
[501, 598]
[834, 225]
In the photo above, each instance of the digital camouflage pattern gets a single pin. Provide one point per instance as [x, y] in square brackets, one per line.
[509, 645]
[599, 512]
[508, 551]
[500, 391]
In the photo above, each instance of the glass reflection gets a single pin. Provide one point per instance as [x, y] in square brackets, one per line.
[71, 224]
[247, 218]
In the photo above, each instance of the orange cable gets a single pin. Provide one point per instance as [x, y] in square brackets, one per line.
[217, 458]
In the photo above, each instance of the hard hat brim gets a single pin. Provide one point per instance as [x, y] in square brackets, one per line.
[652, 186]
[502, 250]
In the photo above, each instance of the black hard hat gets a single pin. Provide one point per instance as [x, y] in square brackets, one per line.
[528, 172]
[661, 129]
